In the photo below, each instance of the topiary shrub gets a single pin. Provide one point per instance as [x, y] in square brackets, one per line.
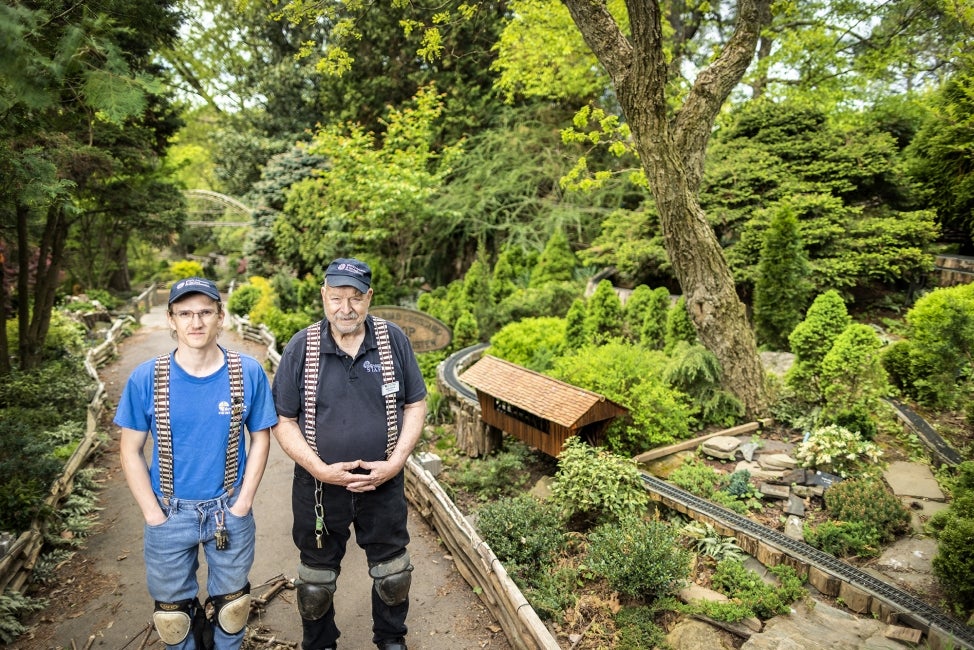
[811, 340]
[594, 486]
[639, 558]
[853, 379]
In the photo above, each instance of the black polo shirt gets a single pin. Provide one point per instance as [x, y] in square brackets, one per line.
[351, 411]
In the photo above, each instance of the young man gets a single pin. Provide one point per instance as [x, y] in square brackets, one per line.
[352, 403]
[199, 487]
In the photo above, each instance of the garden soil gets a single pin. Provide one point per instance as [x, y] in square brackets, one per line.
[98, 598]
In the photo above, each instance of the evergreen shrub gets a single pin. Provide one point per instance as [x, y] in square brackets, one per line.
[640, 558]
[954, 529]
[243, 299]
[524, 534]
[762, 599]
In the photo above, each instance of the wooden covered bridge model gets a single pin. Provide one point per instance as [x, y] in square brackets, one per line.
[540, 411]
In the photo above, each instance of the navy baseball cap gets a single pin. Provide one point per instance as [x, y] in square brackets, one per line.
[183, 288]
[349, 272]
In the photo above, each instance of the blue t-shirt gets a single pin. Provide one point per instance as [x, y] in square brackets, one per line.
[199, 413]
[350, 413]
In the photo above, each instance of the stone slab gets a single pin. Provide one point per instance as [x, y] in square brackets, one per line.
[913, 480]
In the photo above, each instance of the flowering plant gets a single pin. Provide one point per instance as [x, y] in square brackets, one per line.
[838, 450]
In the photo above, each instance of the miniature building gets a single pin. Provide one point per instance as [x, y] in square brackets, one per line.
[538, 410]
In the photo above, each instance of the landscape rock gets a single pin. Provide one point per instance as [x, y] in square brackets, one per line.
[724, 447]
[821, 627]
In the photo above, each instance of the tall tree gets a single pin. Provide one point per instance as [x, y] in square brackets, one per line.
[71, 74]
[671, 146]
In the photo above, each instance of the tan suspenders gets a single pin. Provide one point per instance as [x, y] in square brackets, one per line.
[164, 425]
[312, 357]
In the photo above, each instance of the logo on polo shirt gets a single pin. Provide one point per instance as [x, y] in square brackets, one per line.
[372, 367]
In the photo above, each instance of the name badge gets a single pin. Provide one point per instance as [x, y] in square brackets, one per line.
[390, 388]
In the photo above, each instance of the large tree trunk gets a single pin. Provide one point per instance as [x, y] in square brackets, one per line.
[672, 149]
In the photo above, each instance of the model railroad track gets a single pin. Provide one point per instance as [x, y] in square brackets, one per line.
[859, 590]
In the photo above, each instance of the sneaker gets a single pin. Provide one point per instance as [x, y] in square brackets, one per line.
[392, 644]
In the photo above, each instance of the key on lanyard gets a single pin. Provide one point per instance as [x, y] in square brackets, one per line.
[221, 535]
[320, 528]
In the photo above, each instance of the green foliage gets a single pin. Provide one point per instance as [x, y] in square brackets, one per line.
[498, 475]
[183, 269]
[636, 628]
[652, 334]
[524, 534]
[853, 377]
[374, 199]
[863, 514]
[575, 325]
[679, 327]
[554, 591]
[707, 541]
[811, 340]
[954, 529]
[939, 156]
[533, 342]
[765, 601]
[243, 299]
[632, 377]
[594, 486]
[835, 449]
[603, 315]
[14, 606]
[868, 500]
[701, 479]
[781, 288]
[284, 325]
[842, 183]
[695, 371]
[551, 299]
[844, 538]
[465, 331]
[936, 367]
[640, 558]
[557, 262]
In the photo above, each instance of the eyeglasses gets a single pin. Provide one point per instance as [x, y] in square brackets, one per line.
[186, 315]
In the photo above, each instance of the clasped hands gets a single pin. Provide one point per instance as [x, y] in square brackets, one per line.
[359, 475]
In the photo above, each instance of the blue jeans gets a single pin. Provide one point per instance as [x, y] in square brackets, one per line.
[171, 552]
[379, 519]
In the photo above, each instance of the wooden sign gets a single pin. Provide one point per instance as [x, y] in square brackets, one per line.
[425, 332]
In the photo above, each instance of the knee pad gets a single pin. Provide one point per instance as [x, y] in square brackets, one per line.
[174, 621]
[315, 590]
[392, 579]
[232, 611]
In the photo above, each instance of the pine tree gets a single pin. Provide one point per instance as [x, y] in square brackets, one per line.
[781, 288]
[811, 340]
[557, 262]
[679, 327]
[603, 318]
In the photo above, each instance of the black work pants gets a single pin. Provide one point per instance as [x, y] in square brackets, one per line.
[379, 519]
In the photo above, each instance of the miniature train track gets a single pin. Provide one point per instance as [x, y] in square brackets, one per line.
[897, 605]
[825, 572]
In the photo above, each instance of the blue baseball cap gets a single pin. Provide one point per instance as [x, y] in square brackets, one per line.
[349, 272]
[183, 288]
